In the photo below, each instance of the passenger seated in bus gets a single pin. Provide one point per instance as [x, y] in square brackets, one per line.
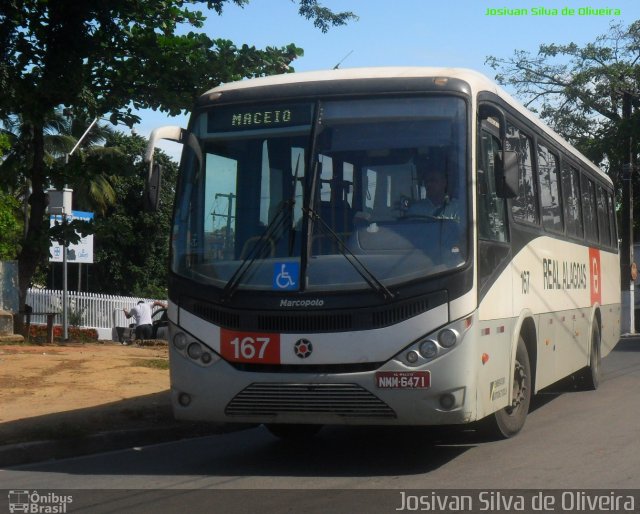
[437, 202]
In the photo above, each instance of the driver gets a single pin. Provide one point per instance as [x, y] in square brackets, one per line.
[437, 202]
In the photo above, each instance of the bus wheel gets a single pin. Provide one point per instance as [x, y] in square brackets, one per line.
[509, 421]
[588, 379]
[293, 432]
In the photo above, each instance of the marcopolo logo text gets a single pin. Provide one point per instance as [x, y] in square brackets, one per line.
[310, 302]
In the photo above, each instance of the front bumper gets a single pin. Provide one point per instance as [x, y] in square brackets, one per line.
[222, 393]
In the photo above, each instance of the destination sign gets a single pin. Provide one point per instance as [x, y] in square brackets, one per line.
[242, 117]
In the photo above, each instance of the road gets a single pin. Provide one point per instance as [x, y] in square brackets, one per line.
[572, 440]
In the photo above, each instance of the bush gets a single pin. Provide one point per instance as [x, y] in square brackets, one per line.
[38, 333]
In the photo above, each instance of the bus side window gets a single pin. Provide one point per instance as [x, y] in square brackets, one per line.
[548, 173]
[612, 221]
[491, 209]
[525, 205]
[491, 213]
[604, 229]
[589, 208]
[571, 200]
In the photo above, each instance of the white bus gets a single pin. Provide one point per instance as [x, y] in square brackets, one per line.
[397, 246]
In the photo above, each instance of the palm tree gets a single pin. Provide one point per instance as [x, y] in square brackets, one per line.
[92, 166]
[16, 164]
[86, 173]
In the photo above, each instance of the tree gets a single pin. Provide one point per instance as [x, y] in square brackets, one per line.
[131, 246]
[578, 90]
[4, 144]
[85, 170]
[108, 59]
[91, 167]
[9, 224]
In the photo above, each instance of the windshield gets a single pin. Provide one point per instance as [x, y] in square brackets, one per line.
[382, 200]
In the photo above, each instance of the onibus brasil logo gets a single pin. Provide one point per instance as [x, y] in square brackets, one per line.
[34, 502]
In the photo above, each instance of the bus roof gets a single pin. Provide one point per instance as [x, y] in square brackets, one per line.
[477, 81]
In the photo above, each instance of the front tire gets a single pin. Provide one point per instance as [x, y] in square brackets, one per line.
[509, 421]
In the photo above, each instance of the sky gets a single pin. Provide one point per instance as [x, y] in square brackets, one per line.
[455, 33]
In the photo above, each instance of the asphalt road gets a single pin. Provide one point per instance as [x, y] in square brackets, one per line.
[572, 441]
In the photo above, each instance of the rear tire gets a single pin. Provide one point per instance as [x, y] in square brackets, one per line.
[291, 432]
[509, 421]
[588, 379]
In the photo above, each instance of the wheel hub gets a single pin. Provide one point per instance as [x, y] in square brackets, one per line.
[519, 387]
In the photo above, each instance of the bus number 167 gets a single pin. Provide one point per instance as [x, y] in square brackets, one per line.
[250, 347]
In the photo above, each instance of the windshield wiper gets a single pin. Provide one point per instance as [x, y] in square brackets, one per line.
[282, 215]
[257, 250]
[357, 264]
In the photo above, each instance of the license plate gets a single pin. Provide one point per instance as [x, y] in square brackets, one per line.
[403, 379]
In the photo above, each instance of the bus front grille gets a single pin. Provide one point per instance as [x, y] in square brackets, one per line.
[272, 399]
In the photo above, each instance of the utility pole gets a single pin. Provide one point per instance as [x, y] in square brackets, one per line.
[60, 203]
[229, 216]
[626, 258]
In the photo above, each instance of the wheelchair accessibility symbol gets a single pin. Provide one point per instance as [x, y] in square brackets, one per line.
[286, 275]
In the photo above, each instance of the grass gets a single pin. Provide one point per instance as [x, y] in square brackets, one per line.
[18, 343]
[152, 363]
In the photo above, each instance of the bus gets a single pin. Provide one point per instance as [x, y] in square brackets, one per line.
[382, 246]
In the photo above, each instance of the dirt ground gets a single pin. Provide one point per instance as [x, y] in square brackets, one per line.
[59, 391]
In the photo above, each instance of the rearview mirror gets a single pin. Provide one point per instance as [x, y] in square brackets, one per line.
[152, 188]
[507, 175]
[506, 170]
[154, 177]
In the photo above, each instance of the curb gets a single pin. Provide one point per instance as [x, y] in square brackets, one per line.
[40, 451]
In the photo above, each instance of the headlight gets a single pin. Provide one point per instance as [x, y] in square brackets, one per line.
[428, 349]
[412, 357]
[447, 338]
[180, 341]
[195, 351]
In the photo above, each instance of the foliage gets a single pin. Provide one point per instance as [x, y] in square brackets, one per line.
[131, 247]
[38, 333]
[151, 363]
[76, 316]
[578, 90]
[10, 227]
[4, 144]
[114, 57]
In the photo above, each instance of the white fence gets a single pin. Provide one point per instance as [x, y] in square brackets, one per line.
[100, 311]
